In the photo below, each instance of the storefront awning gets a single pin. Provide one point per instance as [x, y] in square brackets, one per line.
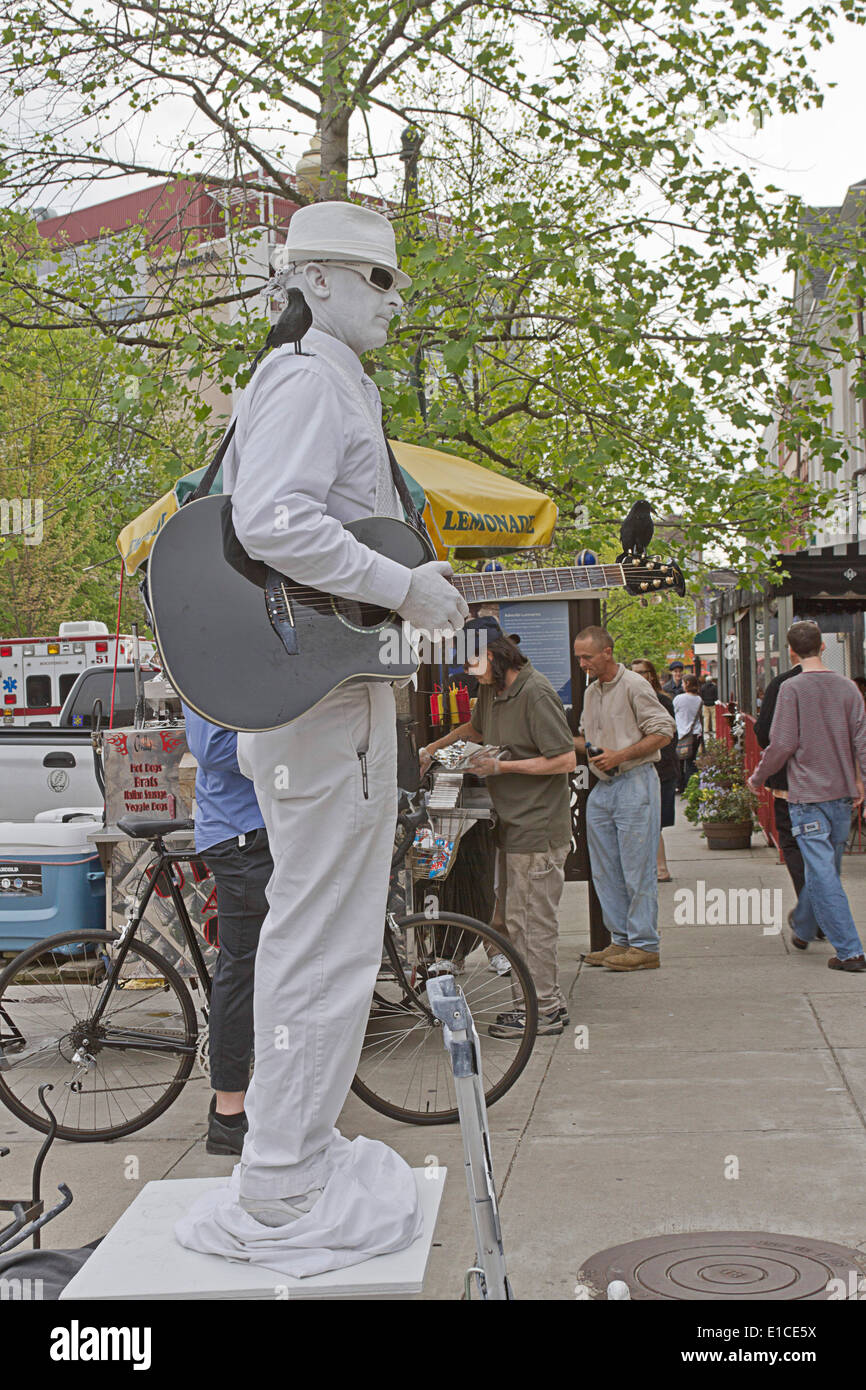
[813, 576]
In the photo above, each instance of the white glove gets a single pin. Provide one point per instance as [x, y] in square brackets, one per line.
[431, 603]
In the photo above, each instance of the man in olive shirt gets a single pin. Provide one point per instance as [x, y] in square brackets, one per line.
[622, 728]
[519, 711]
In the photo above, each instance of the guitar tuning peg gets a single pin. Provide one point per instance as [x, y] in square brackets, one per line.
[657, 583]
[644, 585]
[670, 579]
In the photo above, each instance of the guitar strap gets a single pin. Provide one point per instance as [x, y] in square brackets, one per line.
[206, 483]
[413, 516]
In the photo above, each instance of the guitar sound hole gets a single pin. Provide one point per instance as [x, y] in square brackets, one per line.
[363, 615]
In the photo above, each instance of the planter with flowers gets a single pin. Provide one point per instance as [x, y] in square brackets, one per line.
[718, 799]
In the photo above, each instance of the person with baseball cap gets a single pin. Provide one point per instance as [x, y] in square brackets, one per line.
[674, 684]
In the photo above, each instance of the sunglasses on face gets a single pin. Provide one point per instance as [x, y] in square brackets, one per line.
[376, 275]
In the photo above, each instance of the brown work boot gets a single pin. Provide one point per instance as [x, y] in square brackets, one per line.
[855, 965]
[602, 957]
[634, 959]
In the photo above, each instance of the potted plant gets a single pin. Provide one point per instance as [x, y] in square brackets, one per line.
[718, 798]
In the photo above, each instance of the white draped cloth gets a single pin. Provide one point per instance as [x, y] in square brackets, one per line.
[369, 1207]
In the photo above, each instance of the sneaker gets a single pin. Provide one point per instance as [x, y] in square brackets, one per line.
[513, 1025]
[552, 1023]
[510, 1025]
[602, 957]
[221, 1138]
[855, 965]
[500, 964]
[634, 959]
[280, 1211]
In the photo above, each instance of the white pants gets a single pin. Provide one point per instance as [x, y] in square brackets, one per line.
[331, 832]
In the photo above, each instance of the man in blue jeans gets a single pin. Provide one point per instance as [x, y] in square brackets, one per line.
[231, 838]
[622, 728]
[819, 730]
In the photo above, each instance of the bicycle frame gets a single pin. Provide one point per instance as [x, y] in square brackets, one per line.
[164, 862]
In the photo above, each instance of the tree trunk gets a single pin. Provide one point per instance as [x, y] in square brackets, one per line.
[334, 128]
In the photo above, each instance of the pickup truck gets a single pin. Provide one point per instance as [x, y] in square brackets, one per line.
[43, 767]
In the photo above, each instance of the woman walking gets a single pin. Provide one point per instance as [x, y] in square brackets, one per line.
[688, 712]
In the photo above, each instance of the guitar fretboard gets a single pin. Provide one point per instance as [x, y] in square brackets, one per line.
[505, 584]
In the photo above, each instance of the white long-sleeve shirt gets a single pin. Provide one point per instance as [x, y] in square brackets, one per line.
[304, 460]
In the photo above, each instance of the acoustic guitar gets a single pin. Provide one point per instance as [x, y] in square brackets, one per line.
[252, 658]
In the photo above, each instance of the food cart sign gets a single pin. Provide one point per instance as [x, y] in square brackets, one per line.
[142, 773]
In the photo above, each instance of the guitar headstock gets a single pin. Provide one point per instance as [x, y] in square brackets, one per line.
[651, 575]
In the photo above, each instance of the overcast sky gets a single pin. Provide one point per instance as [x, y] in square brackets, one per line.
[819, 154]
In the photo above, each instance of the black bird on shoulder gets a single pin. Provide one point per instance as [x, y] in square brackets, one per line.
[290, 327]
[637, 530]
[293, 322]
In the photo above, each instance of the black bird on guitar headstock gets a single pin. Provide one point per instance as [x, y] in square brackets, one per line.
[636, 531]
[642, 574]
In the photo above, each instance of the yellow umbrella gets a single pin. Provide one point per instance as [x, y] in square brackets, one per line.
[135, 540]
[474, 508]
[466, 506]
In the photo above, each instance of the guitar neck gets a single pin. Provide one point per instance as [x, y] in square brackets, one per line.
[573, 581]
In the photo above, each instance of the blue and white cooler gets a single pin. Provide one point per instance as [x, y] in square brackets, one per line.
[51, 879]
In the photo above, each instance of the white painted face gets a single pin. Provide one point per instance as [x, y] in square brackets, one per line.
[347, 307]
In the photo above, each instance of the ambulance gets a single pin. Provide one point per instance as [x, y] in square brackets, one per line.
[37, 673]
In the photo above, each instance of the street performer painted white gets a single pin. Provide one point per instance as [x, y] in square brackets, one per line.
[309, 455]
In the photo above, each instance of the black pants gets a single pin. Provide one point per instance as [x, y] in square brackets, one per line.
[241, 875]
[788, 845]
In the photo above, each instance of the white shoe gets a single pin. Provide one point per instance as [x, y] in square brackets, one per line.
[279, 1211]
[500, 964]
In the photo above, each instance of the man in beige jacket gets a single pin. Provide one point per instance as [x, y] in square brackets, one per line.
[622, 728]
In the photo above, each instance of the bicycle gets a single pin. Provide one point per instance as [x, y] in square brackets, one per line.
[113, 1027]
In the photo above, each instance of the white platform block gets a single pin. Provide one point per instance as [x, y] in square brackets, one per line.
[140, 1257]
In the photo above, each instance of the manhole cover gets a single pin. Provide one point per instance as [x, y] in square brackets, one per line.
[716, 1265]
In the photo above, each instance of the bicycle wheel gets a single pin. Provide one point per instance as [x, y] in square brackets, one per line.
[111, 1080]
[404, 1071]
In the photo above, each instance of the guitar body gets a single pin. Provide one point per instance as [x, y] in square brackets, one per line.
[249, 659]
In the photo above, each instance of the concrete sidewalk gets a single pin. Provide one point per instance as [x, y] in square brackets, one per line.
[725, 1091]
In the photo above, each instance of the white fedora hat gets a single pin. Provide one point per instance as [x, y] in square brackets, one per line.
[342, 232]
